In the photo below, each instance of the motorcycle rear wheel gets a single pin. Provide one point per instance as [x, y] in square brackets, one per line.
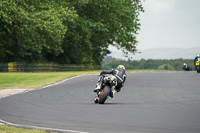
[104, 94]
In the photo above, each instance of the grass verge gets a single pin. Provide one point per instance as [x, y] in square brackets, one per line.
[7, 129]
[36, 80]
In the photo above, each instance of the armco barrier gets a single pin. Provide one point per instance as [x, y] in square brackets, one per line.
[22, 67]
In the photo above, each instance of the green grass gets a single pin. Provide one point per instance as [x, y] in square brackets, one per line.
[7, 129]
[35, 80]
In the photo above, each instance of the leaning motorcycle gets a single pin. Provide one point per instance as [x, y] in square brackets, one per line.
[197, 65]
[108, 86]
[187, 68]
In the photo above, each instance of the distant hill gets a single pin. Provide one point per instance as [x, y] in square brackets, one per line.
[108, 58]
[161, 53]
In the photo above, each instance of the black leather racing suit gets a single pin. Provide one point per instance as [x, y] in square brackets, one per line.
[186, 67]
[195, 59]
[119, 74]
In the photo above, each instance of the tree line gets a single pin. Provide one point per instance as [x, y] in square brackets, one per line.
[161, 64]
[67, 31]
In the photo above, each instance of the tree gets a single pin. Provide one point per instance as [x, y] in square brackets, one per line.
[33, 28]
[100, 24]
[67, 31]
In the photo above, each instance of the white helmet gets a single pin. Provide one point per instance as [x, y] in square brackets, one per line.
[198, 55]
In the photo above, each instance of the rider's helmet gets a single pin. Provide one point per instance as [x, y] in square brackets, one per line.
[198, 55]
[184, 64]
[121, 67]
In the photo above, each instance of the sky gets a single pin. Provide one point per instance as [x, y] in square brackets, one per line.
[169, 23]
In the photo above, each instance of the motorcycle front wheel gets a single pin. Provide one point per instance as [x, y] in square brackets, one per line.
[198, 69]
[104, 94]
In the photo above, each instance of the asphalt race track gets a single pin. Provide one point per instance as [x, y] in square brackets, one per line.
[150, 102]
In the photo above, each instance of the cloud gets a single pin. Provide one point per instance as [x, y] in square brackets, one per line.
[169, 23]
[159, 6]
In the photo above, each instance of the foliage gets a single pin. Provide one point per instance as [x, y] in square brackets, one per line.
[173, 64]
[32, 28]
[76, 32]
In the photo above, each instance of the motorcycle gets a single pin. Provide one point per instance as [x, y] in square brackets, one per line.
[108, 86]
[197, 65]
[186, 67]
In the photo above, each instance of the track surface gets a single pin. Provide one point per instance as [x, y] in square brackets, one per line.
[150, 102]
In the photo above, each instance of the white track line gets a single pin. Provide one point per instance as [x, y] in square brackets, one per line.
[65, 80]
[46, 128]
[42, 128]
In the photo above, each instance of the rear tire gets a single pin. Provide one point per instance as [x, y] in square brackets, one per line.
[104, 94]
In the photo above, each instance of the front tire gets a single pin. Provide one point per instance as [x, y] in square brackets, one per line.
[198, 69]
[104, 94]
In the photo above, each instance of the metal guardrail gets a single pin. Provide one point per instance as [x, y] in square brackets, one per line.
[22, 67]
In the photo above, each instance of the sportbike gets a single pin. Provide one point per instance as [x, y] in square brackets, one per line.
[197, 65]
[108, 87]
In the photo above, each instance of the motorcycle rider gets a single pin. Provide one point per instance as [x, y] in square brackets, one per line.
[119, 73]
[196, 58]
[186, 67]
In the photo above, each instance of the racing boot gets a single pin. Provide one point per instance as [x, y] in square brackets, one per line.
[112, 93]
[96, 99]
[98, 87]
